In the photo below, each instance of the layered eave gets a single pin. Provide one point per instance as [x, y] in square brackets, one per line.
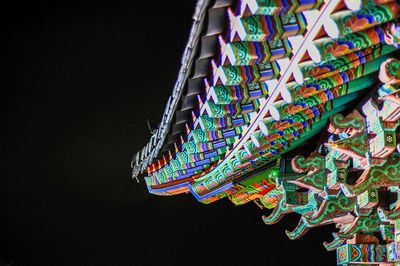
[256, 82]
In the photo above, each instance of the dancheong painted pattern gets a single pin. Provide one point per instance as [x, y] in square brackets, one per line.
[293, 105]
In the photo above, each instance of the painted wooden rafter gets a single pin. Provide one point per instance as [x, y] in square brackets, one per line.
[277, 87]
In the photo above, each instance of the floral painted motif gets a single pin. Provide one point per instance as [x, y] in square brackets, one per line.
[354, 24]
[335, 50]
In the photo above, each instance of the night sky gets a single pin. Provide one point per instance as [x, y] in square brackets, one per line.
[81, 80]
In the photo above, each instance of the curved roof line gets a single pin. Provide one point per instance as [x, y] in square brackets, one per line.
[142, 158]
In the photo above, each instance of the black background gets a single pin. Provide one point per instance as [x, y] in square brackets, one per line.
[81, 80]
